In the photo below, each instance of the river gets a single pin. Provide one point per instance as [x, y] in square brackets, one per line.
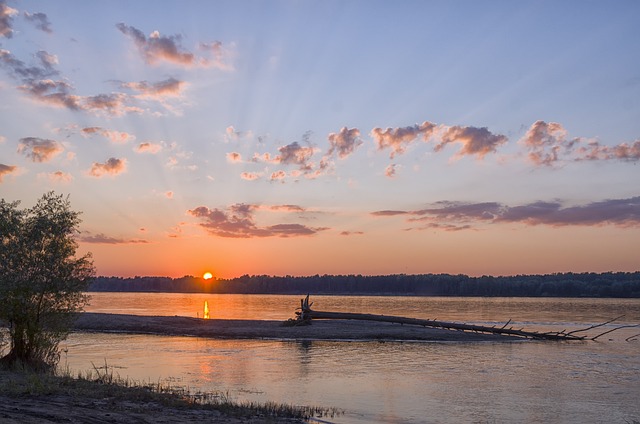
[392, 382]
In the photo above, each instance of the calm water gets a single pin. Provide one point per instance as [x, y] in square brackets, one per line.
[391, 382]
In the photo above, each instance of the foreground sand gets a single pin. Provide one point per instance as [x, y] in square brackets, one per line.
[257, 329]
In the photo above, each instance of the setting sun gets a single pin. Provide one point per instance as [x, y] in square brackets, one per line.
[207, 276]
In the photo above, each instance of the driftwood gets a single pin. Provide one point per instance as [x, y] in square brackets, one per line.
[305, 314]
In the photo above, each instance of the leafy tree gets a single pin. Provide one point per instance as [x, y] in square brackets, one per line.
[42, 283]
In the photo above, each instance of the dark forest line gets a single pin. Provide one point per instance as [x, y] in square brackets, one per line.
[609, 284]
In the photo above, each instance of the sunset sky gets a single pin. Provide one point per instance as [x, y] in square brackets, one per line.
[313, 137]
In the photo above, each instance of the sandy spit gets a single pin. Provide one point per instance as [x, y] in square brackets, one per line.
[258, 329]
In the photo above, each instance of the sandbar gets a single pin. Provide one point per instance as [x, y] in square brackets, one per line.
[268, 329]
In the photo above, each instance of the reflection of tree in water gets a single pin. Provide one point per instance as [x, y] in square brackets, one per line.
[304, 356]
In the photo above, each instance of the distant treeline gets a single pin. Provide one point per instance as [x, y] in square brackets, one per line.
[618, 284]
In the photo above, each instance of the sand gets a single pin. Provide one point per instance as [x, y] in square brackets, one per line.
[258, 329]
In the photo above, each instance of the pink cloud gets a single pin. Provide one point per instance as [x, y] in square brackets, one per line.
[39, 149]
[474, 141]
[398, 139]
[6, 20]
[111, 167]
[278, 175]
[234, 157]
[148, 147]
[250, 176]
[390, 171]
[161, 48]
[170, 87]
[118, 137]
[344, 142]
[60, 177]
[548, 143]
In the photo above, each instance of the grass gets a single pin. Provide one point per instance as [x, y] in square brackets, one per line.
[102, 382]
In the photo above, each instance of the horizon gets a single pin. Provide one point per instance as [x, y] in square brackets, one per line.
[337, 138]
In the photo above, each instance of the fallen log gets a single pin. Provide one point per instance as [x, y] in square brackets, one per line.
[306, 314]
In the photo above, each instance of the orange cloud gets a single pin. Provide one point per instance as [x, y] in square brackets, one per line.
[39, 149]
[250, 176]
[111, 167]
[60, 177]
[6, 20]
[118, 137]
[148, 147]
[7, 170]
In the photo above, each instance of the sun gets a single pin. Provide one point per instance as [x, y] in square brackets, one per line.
[207, 276]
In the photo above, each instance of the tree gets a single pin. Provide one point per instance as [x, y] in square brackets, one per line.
[42, 282]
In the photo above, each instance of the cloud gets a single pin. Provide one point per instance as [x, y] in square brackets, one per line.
[40, 20]
[231, 134]
[39, 149]
[6, 20]
[148, 147]
[398, 139]
[617, 212]
[37, 82]
[6, 170]
[118, 137]
[547, 143]
[251, 176]
[234, 157]
[170, 87]
[238, 221]
[474, 141]
[344, 142]
[278, 175]
[390, 171]
[295, 154]
[351, 233]
[59, 177]
[101, 238]
[160, 48]
[111, 167]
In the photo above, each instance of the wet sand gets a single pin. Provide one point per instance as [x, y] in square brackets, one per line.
[258, 329]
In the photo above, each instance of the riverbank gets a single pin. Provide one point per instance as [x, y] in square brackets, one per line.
[99, 397]
[259, 329]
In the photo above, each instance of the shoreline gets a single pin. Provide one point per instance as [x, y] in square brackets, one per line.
[334, 330]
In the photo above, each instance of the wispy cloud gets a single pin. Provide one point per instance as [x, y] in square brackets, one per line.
[6, 170]
[238, 221]
[40, 20]
[617, 212]
[111, 167]
[59, 177]
[101, 238]
[118, 137]
[39, 149]
[148, 147]
[168, 48]
[170, 87]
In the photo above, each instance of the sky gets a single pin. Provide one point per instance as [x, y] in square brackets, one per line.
[329, 137]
